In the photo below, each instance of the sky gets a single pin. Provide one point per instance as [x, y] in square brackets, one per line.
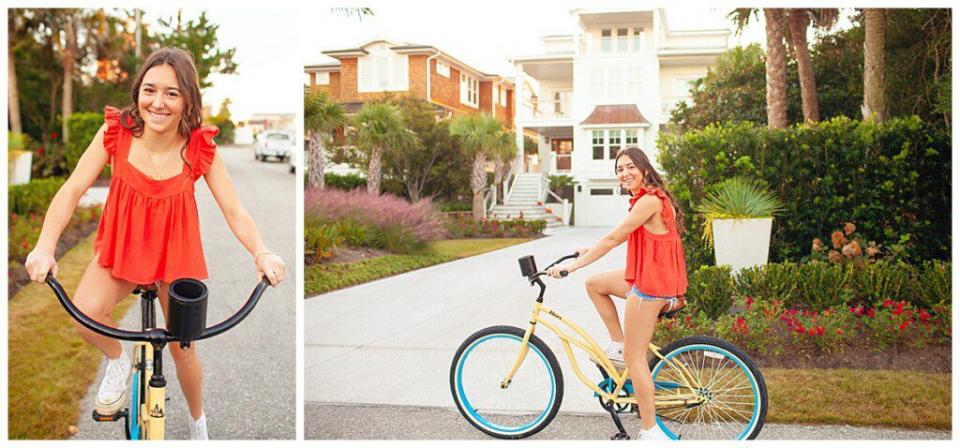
[275, 39]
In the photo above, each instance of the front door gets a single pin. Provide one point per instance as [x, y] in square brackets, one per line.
[562, 147]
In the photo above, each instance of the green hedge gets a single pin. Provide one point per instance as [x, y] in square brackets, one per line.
[328, 277]
[344, 182]
[33, 197]
[820, 285]
[83, 128]
[891, 179]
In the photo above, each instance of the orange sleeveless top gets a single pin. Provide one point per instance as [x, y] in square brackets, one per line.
[655, 262]
[150, 229]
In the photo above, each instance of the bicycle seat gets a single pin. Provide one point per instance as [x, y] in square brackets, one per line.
[670, 312]
[140, 289]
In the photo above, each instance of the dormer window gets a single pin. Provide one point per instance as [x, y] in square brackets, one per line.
[382, 70]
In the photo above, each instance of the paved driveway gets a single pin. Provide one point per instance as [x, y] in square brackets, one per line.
[391, 341]
[249, 372]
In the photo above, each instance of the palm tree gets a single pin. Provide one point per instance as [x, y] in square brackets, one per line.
[478, 134]
[798, 20]
[504, 153]
[874, 65]
[321, 116]
[379, 126]
[776, 62]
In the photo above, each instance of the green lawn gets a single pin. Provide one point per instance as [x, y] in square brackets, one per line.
[50, 366]
[903, 399]
[319, 279]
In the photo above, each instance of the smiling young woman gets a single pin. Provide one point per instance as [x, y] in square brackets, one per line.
[654, 279]
[149, 231]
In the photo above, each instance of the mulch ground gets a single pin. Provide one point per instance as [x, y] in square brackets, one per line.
[935, 358]
[346, 255]
[17, 277]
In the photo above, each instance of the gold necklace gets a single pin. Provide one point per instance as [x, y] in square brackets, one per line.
[156, 169]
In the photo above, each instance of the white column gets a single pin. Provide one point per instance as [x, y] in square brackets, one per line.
[518, 117]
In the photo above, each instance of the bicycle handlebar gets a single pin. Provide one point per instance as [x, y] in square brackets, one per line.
[560, 260]
[153, 334]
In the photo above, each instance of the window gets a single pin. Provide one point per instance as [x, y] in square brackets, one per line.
[597, 144]
[503, 97]
[610, 141]
[601, 192]
[443, 69]
[615, 143]
[469, 90]
[621, 40]
[638, 39]
[323, 78]
[606, 41]
[496, 94]
[383, 70]
[614, 82]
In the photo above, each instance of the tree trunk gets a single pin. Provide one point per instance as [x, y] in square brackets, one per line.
[13, 95]
[478, 182]
[315, 175]
[373, 170]
[874, 66]
[799, 21]
[69, 61]
[776, 70]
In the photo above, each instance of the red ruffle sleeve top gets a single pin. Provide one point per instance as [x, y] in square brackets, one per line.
[655, 262]
[150, 229]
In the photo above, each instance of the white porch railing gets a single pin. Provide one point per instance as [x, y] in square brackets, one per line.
[550, 109]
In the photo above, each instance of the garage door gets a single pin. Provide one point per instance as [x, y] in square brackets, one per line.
[601, 205]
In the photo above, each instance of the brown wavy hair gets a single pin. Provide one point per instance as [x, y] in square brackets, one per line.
[650, 178]
[182, 63]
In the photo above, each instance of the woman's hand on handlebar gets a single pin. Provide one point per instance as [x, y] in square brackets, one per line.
[39, 263]
[271, 266]
[561, 271]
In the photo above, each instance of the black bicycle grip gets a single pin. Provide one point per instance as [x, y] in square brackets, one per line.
[564, 273]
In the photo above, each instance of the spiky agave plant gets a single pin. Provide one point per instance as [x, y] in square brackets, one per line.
[737, 198]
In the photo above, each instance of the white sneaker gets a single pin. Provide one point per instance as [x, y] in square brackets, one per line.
[113, 387]
[614, 351]
[654, 433]
[198, 429]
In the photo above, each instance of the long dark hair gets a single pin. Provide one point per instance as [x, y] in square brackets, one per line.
[650, 178]
[182, 63]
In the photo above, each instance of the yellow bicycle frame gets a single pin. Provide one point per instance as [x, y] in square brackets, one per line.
[152, 413]
[589, 345]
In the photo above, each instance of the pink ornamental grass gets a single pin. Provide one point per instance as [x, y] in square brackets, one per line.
[421, 219]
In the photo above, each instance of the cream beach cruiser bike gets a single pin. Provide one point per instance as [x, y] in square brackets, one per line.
[507, 382]
[144, 419]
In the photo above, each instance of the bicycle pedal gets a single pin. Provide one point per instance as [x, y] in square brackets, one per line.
[620, 436]
[98, 417]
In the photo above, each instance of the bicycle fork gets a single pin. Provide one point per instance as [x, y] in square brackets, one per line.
[524, 349]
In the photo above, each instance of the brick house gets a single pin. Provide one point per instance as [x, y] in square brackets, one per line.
[381, 67]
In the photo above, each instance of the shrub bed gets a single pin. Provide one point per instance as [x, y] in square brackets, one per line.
[459, 226]
[892, 178]
[356, 218]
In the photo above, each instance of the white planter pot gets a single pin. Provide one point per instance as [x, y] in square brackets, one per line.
[742, 243]
[19, 170]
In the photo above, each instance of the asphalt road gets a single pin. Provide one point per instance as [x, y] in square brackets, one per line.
[249, 372]
[353, 421]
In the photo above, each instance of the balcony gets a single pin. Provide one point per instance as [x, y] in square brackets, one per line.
[546, 110]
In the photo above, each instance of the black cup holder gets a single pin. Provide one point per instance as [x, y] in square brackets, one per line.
[187, 310]
[528, 267]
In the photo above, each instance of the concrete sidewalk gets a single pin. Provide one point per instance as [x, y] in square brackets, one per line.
[392, 341]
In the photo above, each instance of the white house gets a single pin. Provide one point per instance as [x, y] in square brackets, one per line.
[610, 84]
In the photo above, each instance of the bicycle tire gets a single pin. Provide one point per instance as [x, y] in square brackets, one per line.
[739, 364]
[138, 392]
[474, 352]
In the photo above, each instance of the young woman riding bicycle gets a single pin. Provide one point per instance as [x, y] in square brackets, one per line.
[654, 279]
[149, 231]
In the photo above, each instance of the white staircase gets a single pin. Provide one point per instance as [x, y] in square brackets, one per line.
[523, 198]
